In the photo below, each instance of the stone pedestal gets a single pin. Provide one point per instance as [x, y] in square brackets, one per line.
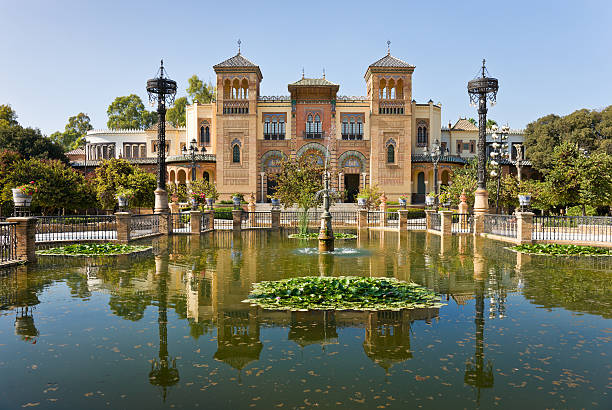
[237, 220]
[481, 208]
[446, 222]
[123, 226]
[362, 222]
[524, 227]
[403, 219]
[25, 231]
[428, 213]
[208, 220]
[195, 218]
[383, 209]
[165, 224]
[275, 218]
[326, 235]
[161, 201]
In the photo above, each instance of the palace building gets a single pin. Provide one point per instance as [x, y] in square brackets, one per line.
[378, 138]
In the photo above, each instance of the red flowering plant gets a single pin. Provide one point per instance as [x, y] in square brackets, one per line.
[28, 189]
[197, 191]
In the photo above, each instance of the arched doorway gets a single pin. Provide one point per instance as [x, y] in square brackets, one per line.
[206, 176]
[445, 177]
[352, 164]
[270, 165]
[420, 195]
[181, 177]
[172, 177]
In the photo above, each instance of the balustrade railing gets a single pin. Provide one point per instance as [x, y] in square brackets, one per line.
[572, 228]
[462, 223]
[8, 242]
[392, 219]
[436, 221]
[339, 218]
[181, 222]
[143, 225]
[502, 225]
[261, 219]
[205, 225]
[75, 228]
[416, 222]
[374, 218]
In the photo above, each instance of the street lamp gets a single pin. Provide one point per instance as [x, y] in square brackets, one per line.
[499, 151]
[162, 90]
[480, 90]
[436, 153]
[193, 150]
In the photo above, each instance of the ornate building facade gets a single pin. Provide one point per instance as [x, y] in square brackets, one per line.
[377, 139]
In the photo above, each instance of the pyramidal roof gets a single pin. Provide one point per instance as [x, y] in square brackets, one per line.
[313, 82]
[390, 61]
[237, 61]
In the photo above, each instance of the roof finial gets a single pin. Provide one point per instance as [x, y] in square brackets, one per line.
[388, 47]
[239, 42]
[483, 67]
[302, 73]
[324, 73]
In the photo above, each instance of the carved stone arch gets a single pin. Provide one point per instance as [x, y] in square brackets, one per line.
[391, 141]
[312, 146]
[236, 141]
[353, 154]
[270, 155]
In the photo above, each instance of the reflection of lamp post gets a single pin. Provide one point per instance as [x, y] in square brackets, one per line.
[161, 90]
[499, 151]
[435, 154]
[480, 89]
[193, 150]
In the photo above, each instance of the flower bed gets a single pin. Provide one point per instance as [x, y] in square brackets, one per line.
[315, 235]
[554, 249]
[341, 293]
[94, 249]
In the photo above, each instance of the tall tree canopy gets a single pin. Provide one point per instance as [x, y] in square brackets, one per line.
[129, 112]
[74, 132]
[176, 115]
[8, 116]
[587, 129]
[30, 143]
[200, 91]
[115, 173]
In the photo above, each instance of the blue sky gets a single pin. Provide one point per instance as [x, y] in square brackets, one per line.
[64, 57]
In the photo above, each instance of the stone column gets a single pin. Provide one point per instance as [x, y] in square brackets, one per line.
[428, 213]
[123, 226]
[195, 221]
[275, 217]
[237, 219]
[383, 209]
[165, 223]
[446, 222]
[263, 193]
[403, 219]
[362, 221]
[25, 231]
[524, 227]
[208, 219]
[481, 207]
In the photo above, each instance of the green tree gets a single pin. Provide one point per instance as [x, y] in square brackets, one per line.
[8, 116]
[200, 91]
[298, 182]
[595, 174]
[60, 187]
[490, 123]
[129, 112]
[30, 143]
[115, 173]
[74, 132]
[176, 115]
[473, 121]
[463, 179]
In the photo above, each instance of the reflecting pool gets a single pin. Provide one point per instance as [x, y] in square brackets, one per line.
[169, 329]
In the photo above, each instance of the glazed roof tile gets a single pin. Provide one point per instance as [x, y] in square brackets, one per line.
[237, 61]
[390, 61]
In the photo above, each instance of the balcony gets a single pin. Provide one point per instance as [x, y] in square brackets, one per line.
[235, 107]
[274, 137]
[352, 137]
[391, 107]
[313, 135]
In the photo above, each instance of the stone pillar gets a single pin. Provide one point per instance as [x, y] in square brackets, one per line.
[403, 219]
[195, 221]
[463, 210]
[524, 227]
[209, 219]
[275, 217]
[481, 207]
[362, 221]
[25, 231]
[428, 213]
[123, 226]
[161, 200]
[383, 209]
[174, 208]
[165, 223]
[446, 222]
[237, 217]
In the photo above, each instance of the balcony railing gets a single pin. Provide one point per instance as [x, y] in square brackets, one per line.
[235, 107]
[313, 135]
[274, 137]
[352, 136]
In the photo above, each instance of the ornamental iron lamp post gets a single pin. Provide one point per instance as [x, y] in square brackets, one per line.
[436, 153]
[162, 90]
[499, 151]
[480, 90]
[520, 157]
[193, 150]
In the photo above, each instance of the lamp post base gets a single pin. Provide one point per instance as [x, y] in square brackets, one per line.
[481, 201]
[161, 201]
[326, 234]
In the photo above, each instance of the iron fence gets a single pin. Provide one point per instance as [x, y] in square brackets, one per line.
[339, 218]
[392, 219]
[143, 225]
[75, 228]
[436, 221]
[572, 228]
[206, 217]
[374, 218]
[8, 242]
[502, 225]
[181, 222]
[416, 222]
[257, 219]
[462, 223]
[224, 224]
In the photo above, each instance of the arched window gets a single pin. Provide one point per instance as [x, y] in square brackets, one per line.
[202, 134]
[390, 154]
[352, 129]
[344, 127]
[267, 129]
[274, 129]
[359, 129]
[317, 124]
[236, 153]
[207, 135]
[281, 129]
[309, 127]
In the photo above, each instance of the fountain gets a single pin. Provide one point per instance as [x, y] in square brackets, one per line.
[326, 233]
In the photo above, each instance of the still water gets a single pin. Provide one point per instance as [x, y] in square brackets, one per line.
[168, 329]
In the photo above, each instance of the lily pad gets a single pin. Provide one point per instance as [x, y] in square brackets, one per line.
[315, 235]
[94, 249]
[554, 249]
[341, 293]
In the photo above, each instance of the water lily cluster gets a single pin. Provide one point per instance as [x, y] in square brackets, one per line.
[94, 249]
[562, 250]
[315, 235]
[341, 293]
